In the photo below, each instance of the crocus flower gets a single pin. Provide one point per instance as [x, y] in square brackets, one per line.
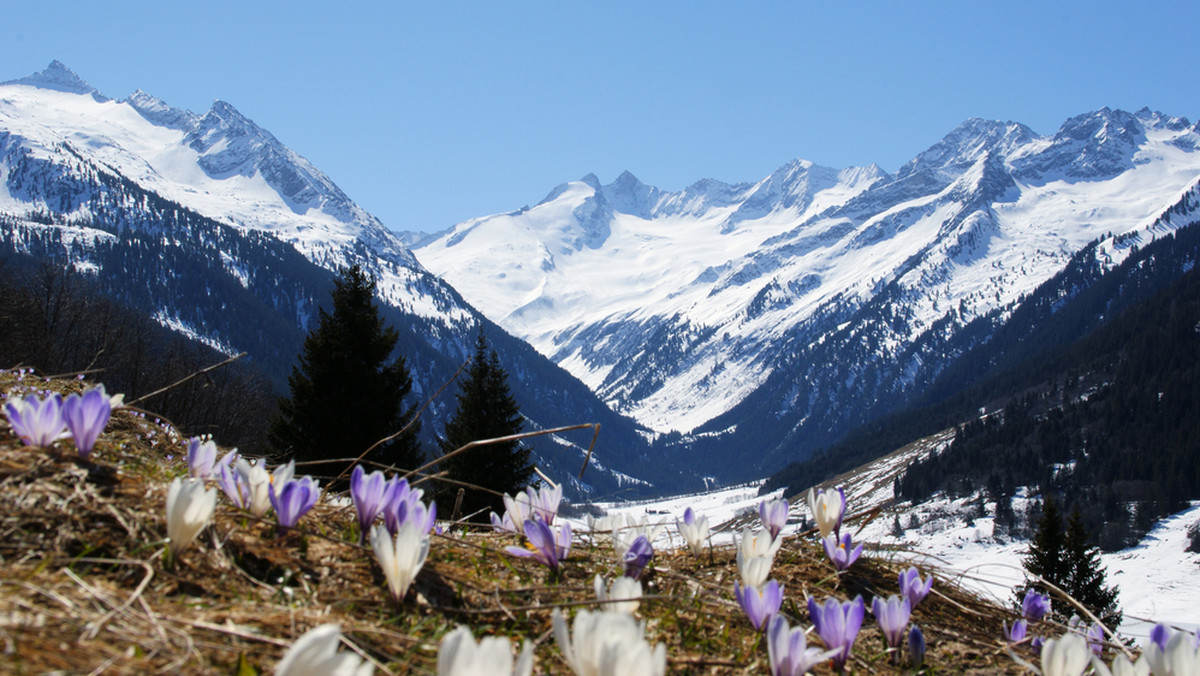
[85, 416]
[254, 484]
[316, 652]
[755, 556]
[368, 493]
[774, 515]
[759, 603]
[230, 481]
[913, 588]
[623, 537]
[544, 502]
[1180, 656]
[402, 556]
[460, 655]
[916, 645]
[841, 552]
[189, 509]
[607, 644]
[828, 507]
[838, 622]
[623, 595]
[892, 616]
[546, 546]
[637, 556]
[1121, 666]
[1159, 635]
[694, 531]
[1035, 606]
[1067, 655]
[517, 510]
[201, 456]
[293, 499]
[1017, 632]
[789, 651]
[1095, 638]
[402, 504]
[38, 422]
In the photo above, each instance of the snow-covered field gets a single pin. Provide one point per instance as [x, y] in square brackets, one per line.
[1159, 580]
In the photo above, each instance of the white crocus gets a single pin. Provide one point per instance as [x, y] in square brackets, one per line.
[827, 507]
[755, 556]
[1121, 666]
[608, 644]
[189, 509]
[623, 536]
[316, 654]
[623, 595]
[1068, 655]
[460, 655]
[401, 558]
[695, 531]
[256, 483]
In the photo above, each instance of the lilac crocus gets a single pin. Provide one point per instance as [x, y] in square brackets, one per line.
[38, 422]
[759, 603]
[201, 456]
[913, 588]
[546, 546]
[1159, 635]
[916, 645]
[838, 622]
[841, 551]
[1017, 632]
[544, 502]
[293, 499]
[1035, 606]
[892, 616]
[774, 515]
[789, 651]
[230, 481]
[1095, 638]
[402, 504]
[637, 556]
[85, 415]
[368, 492]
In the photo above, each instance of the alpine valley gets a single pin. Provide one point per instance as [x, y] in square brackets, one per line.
[716, 333]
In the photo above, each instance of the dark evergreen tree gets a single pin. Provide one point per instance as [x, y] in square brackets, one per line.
[347, 393]
[1085, 575]
[486, 410]
[1045, 556]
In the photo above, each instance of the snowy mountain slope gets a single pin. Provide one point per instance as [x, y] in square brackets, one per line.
[679, 315]
[209, 224]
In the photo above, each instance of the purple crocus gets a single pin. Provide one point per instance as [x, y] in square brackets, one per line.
[838, 623]
[38, 422]
[230, 481]
[789, 651]
[369, 493]
[1035, 606]
[840, 551]
[293, 499]
[916, 645]
[402, 504]
[774, 515]
[892, 616]
[201, 456]
[637, 556]
[913, 588]
[1159, 635]
[1095, 638]
[85, 415]
[1017, 632]
[545, 545]
[759, 603]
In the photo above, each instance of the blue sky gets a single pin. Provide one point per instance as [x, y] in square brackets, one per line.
[429, 114]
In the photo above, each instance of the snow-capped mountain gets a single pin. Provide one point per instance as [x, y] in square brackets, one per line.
[785, 311]
[212, 226]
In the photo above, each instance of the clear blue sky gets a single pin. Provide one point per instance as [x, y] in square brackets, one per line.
[428, 114]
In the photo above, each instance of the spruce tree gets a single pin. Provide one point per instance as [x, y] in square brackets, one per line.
[486, 410]
[346, 394]
[1085, 575]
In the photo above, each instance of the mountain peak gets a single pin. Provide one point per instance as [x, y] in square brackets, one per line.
[59, 78]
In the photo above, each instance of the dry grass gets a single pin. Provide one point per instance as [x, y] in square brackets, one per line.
[83, 587]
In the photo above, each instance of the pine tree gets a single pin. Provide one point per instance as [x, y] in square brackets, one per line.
[486, 410]
[345, 393]
[1085, 575]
